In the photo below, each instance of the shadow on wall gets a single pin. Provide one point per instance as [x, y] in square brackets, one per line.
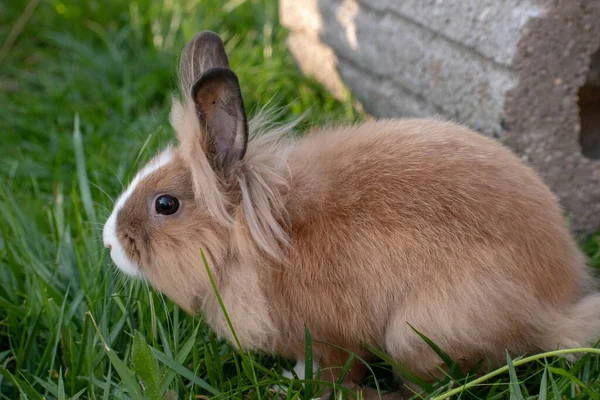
[589, 111]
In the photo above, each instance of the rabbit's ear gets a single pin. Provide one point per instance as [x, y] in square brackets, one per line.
[206, 77]
[221, 112]
[203, 52]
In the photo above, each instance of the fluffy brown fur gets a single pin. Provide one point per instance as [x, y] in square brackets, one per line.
[357, 232]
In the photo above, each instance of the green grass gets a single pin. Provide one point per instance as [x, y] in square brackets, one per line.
[84, 101]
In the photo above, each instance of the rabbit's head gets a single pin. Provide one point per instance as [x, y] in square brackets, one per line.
[184, 199]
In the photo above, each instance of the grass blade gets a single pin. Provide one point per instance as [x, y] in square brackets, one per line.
[575, 380]
[82, 177]
[61, 386]
[183, 371]
[514, 386]
[308, 364]
[544, 385]
[145, 366]
[180, 359]
[126, 377]
[402, 370]
[555, 390]
[77, 395]
[106, 393]
[220, 300]
[23, 386]
[453, 369]
[247, 361]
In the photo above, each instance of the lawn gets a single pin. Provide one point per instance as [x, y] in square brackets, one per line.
[84, 101]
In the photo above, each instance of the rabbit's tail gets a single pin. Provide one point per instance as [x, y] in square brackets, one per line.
[580, 327]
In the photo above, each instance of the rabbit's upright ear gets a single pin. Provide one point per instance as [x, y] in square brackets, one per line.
[203, 52]
[221, 112]
[216, 93]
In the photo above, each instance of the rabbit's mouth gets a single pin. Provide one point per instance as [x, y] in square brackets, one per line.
[130, 247]
[123, 262]
[123, 250]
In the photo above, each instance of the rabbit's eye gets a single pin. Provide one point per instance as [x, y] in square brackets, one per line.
[167, 205]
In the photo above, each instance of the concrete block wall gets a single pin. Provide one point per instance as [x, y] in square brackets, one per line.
[519, 70]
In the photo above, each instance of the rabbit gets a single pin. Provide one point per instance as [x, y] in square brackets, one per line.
[359, 233]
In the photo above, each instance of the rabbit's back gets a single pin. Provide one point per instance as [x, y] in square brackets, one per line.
[424, 220]
[430, 188]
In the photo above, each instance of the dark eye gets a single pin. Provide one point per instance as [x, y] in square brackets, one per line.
[166, 204]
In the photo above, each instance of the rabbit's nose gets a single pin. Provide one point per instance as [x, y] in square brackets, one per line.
[107, 245]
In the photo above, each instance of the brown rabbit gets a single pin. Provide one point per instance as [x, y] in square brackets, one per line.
[354, 232]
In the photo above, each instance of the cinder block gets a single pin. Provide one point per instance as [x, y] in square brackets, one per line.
[513, 69]
[491, 28]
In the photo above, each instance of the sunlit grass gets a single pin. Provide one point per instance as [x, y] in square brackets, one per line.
[84, 101]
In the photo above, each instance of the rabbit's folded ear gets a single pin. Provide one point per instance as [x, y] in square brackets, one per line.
[221, 112]
[203, 52]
